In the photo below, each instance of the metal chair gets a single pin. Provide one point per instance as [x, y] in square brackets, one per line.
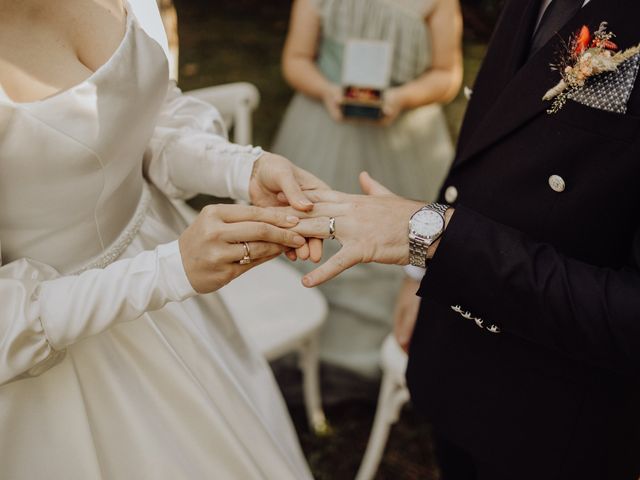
[393, 396]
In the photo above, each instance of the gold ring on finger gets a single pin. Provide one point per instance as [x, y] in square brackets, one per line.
[332, 228]
[246, 260]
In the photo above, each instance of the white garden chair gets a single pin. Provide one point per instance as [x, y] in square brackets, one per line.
[236, 103]
[269, 303]
[393, 396]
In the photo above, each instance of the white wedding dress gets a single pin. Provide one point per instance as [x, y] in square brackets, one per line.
[110, 366]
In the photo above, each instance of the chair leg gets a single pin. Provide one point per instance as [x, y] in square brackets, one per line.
[309, 363]
[390, 401]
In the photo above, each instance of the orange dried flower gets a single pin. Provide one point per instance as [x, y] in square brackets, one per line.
[583, 40]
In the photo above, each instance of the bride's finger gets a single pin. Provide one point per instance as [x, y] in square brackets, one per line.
[248, 213]
[257, 250]
[291, 255]
[318, 196]
[333, 267]
[314, 227]
[255, 231]
[327, 196]
[308, 181]
[320, 210]
[240, 269]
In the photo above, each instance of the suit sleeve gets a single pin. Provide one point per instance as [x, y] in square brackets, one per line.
[530, 290]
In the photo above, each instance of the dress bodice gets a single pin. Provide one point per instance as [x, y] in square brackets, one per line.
[401, 22]
[72, 163]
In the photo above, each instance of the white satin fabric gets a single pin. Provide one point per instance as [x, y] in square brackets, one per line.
[122, 372]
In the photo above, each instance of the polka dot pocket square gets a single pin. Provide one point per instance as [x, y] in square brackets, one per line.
[610, 91]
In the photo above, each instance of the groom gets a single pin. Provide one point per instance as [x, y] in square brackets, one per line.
[526, 352]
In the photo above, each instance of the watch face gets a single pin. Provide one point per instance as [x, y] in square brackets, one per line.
[427, 223]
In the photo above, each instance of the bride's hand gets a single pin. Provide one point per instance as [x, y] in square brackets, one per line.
[276, 181]
[371, 228]
[213, 245]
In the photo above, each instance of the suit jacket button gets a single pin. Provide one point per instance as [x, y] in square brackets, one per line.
[557, 183]
[451, 194]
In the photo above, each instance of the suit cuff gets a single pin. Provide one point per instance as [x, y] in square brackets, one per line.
[441, 278]
[466, 273]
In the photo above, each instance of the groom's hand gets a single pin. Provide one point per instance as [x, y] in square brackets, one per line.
[371, 228]
[275, 181]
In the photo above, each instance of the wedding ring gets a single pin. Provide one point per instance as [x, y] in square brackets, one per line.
[246, 260]
[332, 228]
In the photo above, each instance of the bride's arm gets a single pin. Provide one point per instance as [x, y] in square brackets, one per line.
[189, 152]
[42, 313]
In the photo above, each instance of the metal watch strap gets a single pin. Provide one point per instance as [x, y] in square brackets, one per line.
[418, 249]
[417, 253]
[439, 207]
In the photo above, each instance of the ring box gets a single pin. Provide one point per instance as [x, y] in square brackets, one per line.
[366, 74]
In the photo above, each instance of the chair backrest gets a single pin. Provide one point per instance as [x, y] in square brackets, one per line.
[236, 103]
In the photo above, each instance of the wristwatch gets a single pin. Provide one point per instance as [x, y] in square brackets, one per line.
[425, 227]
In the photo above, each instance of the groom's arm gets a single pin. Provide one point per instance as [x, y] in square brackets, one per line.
[530, 290]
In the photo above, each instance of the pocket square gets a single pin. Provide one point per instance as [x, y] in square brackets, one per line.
[610, 91]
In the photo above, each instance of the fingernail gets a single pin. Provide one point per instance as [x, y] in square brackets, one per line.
[306, 203]
[307, 282]
[292, 219]
[299, 240]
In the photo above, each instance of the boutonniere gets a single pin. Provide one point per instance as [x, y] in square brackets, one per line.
[585, 56]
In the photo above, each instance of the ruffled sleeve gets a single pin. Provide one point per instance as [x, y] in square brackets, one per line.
[43, 313]
[189, 152]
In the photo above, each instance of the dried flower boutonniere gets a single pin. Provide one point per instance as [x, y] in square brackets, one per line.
[586, 56]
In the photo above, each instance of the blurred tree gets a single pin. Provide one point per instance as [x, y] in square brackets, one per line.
[480, 16]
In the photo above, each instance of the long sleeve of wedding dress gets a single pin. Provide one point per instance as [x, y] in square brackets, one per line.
[189, 137]
[42, 313]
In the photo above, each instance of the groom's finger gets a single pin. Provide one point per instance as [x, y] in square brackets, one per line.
[303, 252]
[315, 249]
[371, 187]
[337, 264]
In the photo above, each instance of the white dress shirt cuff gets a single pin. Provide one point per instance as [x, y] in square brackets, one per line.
[416, 273]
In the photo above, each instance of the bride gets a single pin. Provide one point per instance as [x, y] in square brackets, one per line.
[111, 364]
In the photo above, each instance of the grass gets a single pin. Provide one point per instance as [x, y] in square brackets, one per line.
[241, 40]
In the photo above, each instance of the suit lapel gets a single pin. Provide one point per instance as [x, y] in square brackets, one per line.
[521, 97]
